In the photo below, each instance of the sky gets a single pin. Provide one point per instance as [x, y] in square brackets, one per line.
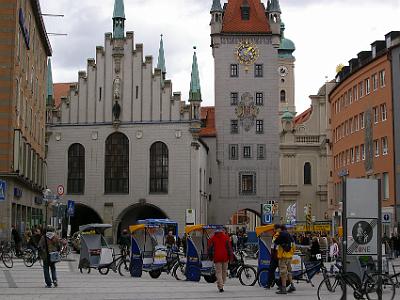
[326, 33]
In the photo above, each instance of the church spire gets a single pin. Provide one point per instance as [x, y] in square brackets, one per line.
[161, 58]
[119, 19]
[195, 90]
[50, 92]
[216, 6]
[275, 7]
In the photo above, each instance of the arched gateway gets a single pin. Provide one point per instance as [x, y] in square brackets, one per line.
[84, 215]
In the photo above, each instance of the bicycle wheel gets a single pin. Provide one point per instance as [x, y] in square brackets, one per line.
[262, 277]
[331, 288]
[179, 271]
[7, 260]
[379, 286]
[29, 258]
[104, 270]
[123, 268]
[247, 275]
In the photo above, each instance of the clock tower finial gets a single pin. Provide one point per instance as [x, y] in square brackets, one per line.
[119, 19]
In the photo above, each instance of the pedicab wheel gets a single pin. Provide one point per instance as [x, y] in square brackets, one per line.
[7, 260]
[247, 276]
[155, 274]
[104, 270]
[210, 278]
[261, 275]
[124, 268]
[331, 288]
[179, 271]
[29, 258]
[380, 286]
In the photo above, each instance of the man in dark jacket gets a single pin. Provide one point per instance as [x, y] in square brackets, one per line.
[49, 243]
[17, 240]
[274, 263]
[221, 249]
[125, 242]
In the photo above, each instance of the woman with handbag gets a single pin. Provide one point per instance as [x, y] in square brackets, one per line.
[50, 247]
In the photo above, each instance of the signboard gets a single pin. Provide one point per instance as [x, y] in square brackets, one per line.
[24, 29]
[362, 236]
[190, 216]
[386, 218]
[60, 190]
[71, 208]
[266, 213]
[3, 189]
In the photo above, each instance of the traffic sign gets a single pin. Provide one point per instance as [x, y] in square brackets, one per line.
[3, 187]
[71, 208]
[362, 236]
[386, 218]
[60, 190]
[267, 219]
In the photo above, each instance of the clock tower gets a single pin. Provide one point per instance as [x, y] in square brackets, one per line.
[245, 38]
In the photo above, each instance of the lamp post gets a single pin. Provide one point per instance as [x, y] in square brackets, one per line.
[47, 197]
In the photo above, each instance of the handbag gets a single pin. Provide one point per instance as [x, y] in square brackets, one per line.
[55, 257]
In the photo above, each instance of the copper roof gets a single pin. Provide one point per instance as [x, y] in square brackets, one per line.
[233, 22]
[208, 117]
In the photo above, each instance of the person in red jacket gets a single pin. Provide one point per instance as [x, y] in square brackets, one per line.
[220, 249]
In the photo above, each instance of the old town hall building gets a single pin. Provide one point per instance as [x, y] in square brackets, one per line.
[126, 147]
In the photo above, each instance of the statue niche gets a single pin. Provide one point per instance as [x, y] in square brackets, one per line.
[117, 88]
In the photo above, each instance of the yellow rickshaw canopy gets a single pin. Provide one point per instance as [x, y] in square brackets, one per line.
[191, 228]
[261, 229]
[134, 228]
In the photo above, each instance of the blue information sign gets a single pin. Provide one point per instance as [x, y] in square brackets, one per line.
[267, 219]
[3, 187]
[71, 208]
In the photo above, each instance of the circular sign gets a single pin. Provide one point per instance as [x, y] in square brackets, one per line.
[60, 190]
[362, 233]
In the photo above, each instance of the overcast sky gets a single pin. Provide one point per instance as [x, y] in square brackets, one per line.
[326, 33]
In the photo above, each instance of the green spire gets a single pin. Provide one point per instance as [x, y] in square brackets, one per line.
[119, 19]
[161, 57]
[50, 92]
[195, 90]
[216, 6]
[275, 6]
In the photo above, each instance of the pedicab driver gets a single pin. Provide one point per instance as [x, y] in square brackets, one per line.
[220, 250]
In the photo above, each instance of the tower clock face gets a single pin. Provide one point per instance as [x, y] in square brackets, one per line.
[283, 71]
[246, 53]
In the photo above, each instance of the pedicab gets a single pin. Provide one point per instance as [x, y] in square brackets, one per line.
[198, 262]
[169, 225]
[95, 251]
[301, 270]
[148, 251]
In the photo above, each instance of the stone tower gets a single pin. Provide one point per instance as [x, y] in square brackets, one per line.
[245, 46]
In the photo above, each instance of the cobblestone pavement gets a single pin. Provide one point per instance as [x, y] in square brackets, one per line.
[28, 283]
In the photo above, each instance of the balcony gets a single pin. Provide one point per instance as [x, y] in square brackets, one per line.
[308, 139]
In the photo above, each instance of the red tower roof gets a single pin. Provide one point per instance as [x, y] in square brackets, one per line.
[233, 23]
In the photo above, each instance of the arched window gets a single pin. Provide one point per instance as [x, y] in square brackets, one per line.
[307, 173]
[76, 169]
[116, 171]
[283, 96]
[158, 168]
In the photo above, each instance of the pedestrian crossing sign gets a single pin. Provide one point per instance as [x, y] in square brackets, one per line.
[2, 190]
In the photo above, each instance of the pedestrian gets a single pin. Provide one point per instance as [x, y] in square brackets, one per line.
[285, 252]
[184, 243]
[234, 240]
[315, 249]
[220, 250]
[397, 245]
[170, 240]
[124, 242]
[274, 262]
[333, 250]
[17, 240]
[49, 246]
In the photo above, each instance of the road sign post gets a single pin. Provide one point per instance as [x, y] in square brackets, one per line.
[266, 213]
[70, 213]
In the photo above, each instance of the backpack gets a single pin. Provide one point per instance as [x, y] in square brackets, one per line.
[287, 247]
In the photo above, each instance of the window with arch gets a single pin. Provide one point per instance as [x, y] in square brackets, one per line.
[76, 169]
[283, 96]
[307, 173]
[159, 168]
[116, 172]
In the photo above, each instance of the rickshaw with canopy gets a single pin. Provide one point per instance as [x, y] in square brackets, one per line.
[301, 271]
[148, 250]
[169, 225]
[198, 262]
[95, 252]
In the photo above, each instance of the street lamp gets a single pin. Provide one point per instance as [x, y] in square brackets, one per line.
[47, 196]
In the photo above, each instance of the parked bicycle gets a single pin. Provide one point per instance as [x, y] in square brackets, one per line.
[372, 285]
[30, 257]
[5, 257]
[120, 263]
[396, 275]
[239, 269]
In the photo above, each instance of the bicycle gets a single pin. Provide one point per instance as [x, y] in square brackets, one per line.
[120, 263]
[373, 285]
[30, 257]
[396, 276]
[239, 269]
[5, 257]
